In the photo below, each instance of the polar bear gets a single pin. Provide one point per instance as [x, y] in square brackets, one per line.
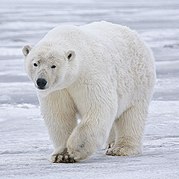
[102, 73]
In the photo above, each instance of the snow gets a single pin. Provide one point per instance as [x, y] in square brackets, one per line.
[24, 142]
[25, 146]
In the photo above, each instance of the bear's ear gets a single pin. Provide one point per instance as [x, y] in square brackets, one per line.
[26, 49]
[70, 55]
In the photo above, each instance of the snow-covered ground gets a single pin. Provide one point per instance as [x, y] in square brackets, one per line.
[24, 142]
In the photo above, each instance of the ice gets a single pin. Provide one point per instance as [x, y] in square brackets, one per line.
[24, 141]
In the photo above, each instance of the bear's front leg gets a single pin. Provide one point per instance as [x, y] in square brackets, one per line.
[59, 114]
[90, 134]
[97, 105]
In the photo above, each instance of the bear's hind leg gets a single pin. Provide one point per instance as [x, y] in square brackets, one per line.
[129, 130]
[111, 138]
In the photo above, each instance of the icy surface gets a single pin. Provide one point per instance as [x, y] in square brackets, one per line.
[24, 142]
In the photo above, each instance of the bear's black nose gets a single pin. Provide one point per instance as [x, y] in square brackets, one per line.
[41, 83]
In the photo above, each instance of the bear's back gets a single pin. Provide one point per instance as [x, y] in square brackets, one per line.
[106, 30]
[102, 31]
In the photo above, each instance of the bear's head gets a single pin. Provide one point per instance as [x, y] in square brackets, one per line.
[50, 69]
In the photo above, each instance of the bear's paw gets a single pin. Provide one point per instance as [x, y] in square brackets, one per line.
[63, 157]
[123, 151]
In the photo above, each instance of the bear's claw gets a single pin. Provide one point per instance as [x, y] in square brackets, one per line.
[123, 151]
[63, 157]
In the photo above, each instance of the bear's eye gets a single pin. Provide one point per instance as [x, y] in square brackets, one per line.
[53, 66]
[35, 65]
[69, 56]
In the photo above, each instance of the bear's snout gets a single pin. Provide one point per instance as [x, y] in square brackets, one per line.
[41, 82]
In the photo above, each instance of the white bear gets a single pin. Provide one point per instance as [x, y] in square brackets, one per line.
[102, 73]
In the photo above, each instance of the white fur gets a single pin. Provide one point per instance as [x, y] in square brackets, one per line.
[109, 81]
